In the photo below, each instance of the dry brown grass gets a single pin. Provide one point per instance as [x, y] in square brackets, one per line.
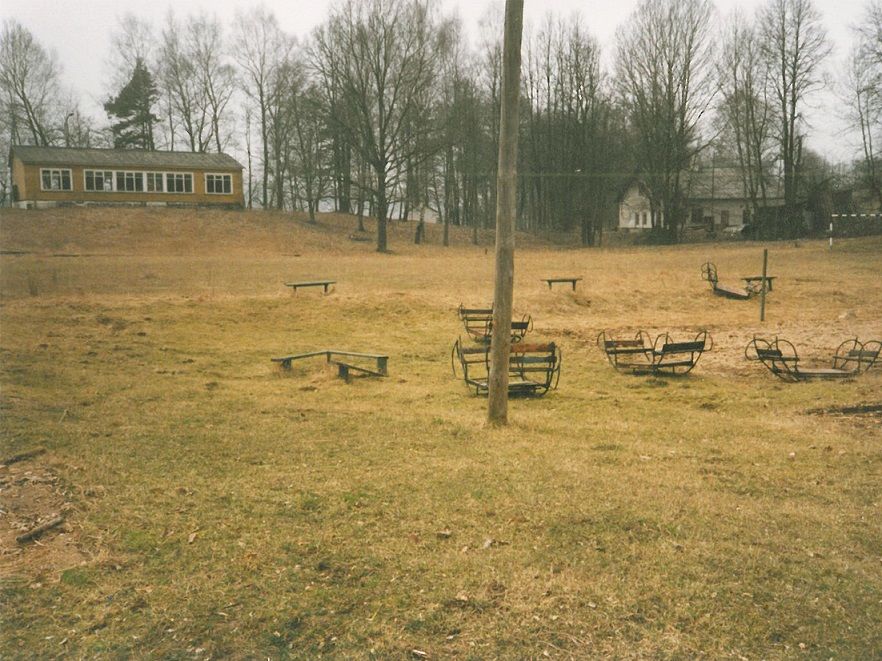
[228, 510]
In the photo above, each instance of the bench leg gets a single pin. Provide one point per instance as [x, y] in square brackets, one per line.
[285, 364]
[382, 366]
[343, 372]
[574, 285]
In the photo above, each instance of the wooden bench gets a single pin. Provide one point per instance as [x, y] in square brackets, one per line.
[311, 283]
[780, 357]
[342, 360]
[709, 273]
[640, 355]
[478, 324]
[552, 281]
[533, 369]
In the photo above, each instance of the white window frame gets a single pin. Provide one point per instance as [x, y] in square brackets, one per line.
[226, 175]
[153, 174]
[60, 172]
[176, 192]
[103, 189]
[135, 176]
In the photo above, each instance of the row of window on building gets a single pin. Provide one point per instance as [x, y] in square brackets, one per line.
[128, 181]
[642, 218]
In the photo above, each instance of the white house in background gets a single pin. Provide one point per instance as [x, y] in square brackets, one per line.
[634, 209]
[715, 198]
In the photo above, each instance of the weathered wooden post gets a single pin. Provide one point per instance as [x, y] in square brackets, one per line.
[506, 207]
[763, 288]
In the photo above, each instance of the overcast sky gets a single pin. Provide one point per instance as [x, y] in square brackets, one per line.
[79, 32]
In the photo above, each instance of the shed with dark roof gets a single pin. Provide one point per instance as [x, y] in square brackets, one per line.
[46, 176]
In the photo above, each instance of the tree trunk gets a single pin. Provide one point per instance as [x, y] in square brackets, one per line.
[381, 210]
[506, 207]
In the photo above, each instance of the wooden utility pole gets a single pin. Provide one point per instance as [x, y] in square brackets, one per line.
[763, 290]
[506, 207]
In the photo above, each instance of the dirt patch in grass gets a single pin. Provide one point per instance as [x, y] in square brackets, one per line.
[867, 411]
[31, 494]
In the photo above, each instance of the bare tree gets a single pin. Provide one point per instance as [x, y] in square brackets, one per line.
[664, 75]
[870, 32]
[284, 84]
[506, 208]
[862, 92]
[29, 78]
[131, 41]
[863, 101]
[311, 147]
[216, 76]
[571, 161]
[794, 45]
[744, 108]
[181, 80]
[261, 49]
[381, 55]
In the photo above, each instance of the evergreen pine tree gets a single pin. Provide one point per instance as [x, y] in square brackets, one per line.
[133, 107]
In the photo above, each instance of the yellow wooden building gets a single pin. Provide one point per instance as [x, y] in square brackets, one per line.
[48, 176]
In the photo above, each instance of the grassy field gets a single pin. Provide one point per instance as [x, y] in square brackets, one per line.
[219, 508]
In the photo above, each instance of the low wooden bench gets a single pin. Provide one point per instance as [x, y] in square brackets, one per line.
[533, 369]
[311, 283]
[640, 355]
[709, 273]
[780, 357]
[478, 324]
[341, 359]
[552, 281]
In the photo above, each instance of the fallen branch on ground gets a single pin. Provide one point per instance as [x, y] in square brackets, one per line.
[39, 530]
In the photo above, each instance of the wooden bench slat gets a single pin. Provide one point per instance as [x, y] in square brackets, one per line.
[681, 347]
[311, 283]
[629, 350]
[357, 368]
[731, 292]
[355, 354]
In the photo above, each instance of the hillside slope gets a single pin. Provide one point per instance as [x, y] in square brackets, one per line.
[162, 231]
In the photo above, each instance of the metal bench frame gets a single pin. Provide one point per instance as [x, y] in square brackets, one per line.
[478, 324]
[780, 357]
[709, 274]
[641, 355]
[533, 369]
